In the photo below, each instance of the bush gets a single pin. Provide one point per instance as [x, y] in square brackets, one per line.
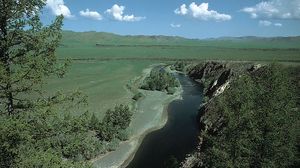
[113, 144]
[114, 122]
[137, 96]
[259, 122]
[42, 138]
[179, 66]
[171, 90]
[123, 135]
[160, 80]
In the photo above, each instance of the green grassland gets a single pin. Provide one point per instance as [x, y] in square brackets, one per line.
[105, 46]
[102, 81]
[103, 63]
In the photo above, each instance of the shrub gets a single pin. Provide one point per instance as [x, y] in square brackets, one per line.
[137, 96]
[114, 122]
[171, 90]
[160, 80]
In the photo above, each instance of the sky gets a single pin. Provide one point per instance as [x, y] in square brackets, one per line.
[186, 18]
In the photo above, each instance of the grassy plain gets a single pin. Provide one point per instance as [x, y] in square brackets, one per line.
[103, 63]
[102, 81]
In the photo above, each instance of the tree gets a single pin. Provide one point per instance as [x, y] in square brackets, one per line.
[160, 80]
[276, 118]
[114, 122]
[27, 53]
[230, 146]
[259, 122]
[94, 122]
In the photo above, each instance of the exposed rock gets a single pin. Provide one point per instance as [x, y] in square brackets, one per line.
[212, 76]
[219, 85]
[255, 67]
[206, 71]
[221, 89]
[215, 78]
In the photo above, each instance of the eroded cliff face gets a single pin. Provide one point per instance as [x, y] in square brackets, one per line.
[215, 77]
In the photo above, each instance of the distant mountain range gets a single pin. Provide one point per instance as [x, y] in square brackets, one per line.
[71, 38]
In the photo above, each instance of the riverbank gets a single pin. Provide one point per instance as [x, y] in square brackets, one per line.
[150, 114]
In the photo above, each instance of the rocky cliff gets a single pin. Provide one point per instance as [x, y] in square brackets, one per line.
[215, 77]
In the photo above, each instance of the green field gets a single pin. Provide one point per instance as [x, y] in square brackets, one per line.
[103, 81]
[103, 63]
[104, 46]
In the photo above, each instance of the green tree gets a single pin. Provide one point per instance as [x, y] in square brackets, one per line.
[27, 53]
[276, 118]
[31, 131]
[94, 122]
[230, 146]
[160, 80]
[259, 122]
[114, 123]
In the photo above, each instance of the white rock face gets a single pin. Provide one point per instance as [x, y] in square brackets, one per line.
[221, 89]
[215, 83]
[257, 66]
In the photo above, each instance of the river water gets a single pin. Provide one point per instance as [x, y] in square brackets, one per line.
[179, 136]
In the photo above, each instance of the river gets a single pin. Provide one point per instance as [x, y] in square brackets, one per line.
[179, 136]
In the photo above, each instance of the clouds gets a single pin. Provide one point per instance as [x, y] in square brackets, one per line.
[267, 23]
[278, 24]
[201, 12]
[58, 7]
[90, 14]
[267, 12]
[175, 25]
[275, 9]
[264, 23]
[182, 10]
[117, 13]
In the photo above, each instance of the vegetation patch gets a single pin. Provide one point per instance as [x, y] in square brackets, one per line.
[137, 96]
[254, 123]
[179, 66]
[160, 80]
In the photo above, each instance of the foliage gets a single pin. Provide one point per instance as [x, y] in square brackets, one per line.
[31, 157]
[41, 138]
[137, 96]
[38, 130]
[114, 123]
[27, 53]
[61, 140]
[171, 90]
[94, 122]
[259, 122]
[160, 80]
[179, 66]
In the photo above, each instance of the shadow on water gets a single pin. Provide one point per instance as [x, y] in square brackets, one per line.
[166, 146]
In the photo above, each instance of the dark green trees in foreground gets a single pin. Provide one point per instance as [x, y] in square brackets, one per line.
[27, 53]
[260, 122]
[38, 130]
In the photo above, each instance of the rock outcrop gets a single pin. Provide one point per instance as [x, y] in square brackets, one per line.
[215, 78]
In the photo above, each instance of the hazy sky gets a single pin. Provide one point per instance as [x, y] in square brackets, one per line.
[188, 18]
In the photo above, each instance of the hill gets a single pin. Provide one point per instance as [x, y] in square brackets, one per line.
[91, 38]
[103, 46]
